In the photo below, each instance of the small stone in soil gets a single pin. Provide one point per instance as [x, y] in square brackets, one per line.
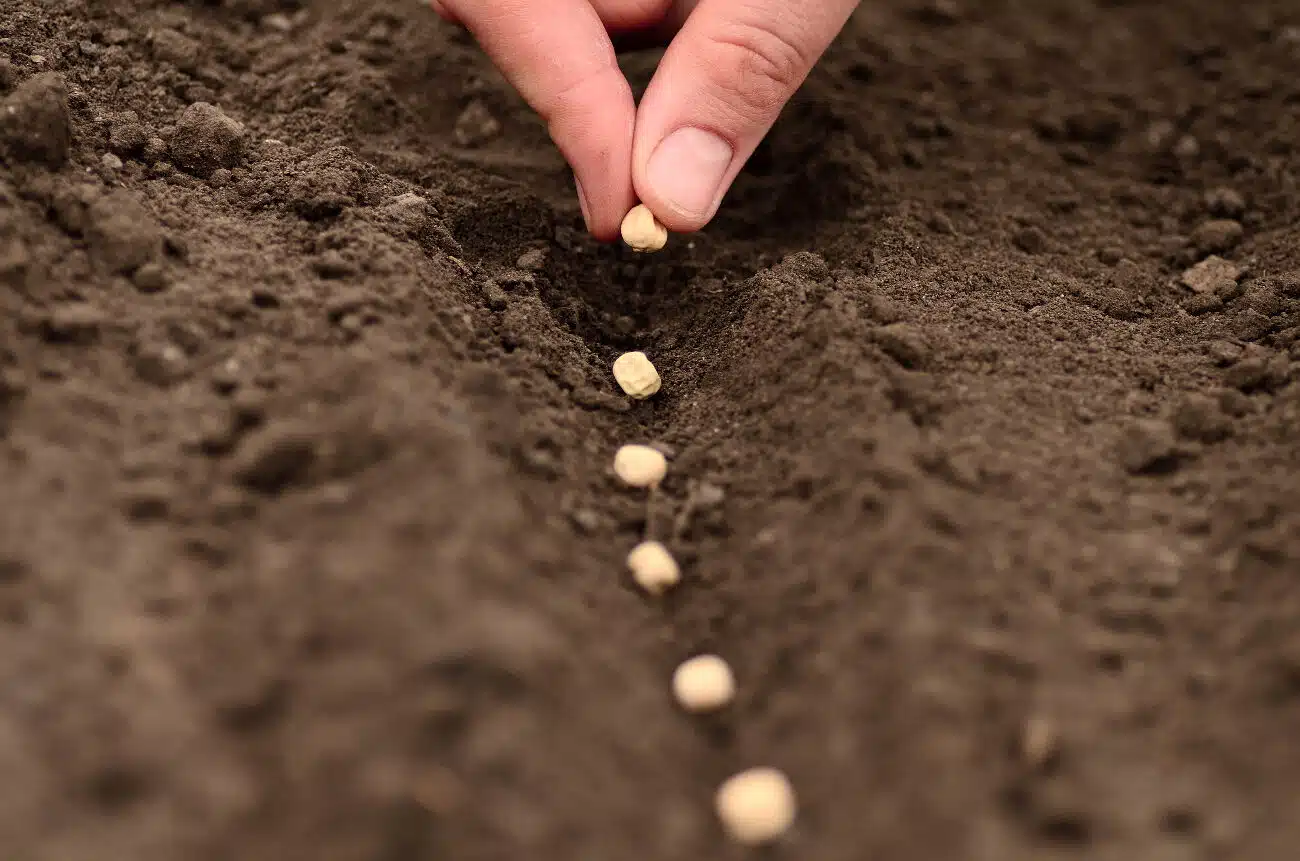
[636, 375]
[640, 465]
[476, 125]
[653, 567]
[1208, 275]
[704, 684]
[756, 806]
[533, 260]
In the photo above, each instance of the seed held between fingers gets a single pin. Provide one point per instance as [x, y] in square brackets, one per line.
[640, 465]
[636, 375]
[653, 568]
[756, 806]
[704, 684]
[642, 231]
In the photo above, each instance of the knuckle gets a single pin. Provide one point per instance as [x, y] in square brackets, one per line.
[766, 65]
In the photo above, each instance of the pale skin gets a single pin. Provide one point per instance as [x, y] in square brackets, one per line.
[729, 69]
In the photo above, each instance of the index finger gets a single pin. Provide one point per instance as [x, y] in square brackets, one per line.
[559, 57]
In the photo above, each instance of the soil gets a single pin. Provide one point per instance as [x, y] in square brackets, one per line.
[310, 546]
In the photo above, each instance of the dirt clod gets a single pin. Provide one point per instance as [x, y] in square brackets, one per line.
[1148, 447]
[1258, 373]
[206, 139]
[73, 323]
[127, 136]
[277, 459]
[1217, 236]
[1201, 418]
[1225, 202]
[35, 124]
[1210, 274]
[905, 343]
[122, 234]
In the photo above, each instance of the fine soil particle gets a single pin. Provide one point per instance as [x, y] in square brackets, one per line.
[980, 396]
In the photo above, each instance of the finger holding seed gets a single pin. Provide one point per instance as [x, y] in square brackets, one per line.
[642, 231]
[636, 375]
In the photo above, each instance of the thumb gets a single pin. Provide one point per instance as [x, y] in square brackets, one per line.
[719, 88]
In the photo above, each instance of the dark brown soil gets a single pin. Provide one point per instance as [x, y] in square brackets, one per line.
[309, 546]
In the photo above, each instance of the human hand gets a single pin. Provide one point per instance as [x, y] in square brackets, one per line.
[730, 67]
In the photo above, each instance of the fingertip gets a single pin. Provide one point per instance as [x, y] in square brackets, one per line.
[719, 88]
[604, 225]
[442, 11]
[593, 126]
[684, 177]
[604, 220]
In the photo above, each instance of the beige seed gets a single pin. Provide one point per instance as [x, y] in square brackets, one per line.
[756, 806]
[653, 568]
[636, 375]
[642, 231]
[704, 684]
[640, 465]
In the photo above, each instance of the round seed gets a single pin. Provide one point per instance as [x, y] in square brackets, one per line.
[704, 684]
[642, 231]
[653, 568]
[636, 375]
[640, 465]
[756, 806]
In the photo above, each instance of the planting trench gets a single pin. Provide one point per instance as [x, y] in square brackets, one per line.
[309, 543]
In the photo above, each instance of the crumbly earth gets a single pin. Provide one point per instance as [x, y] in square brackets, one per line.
[309, 543]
